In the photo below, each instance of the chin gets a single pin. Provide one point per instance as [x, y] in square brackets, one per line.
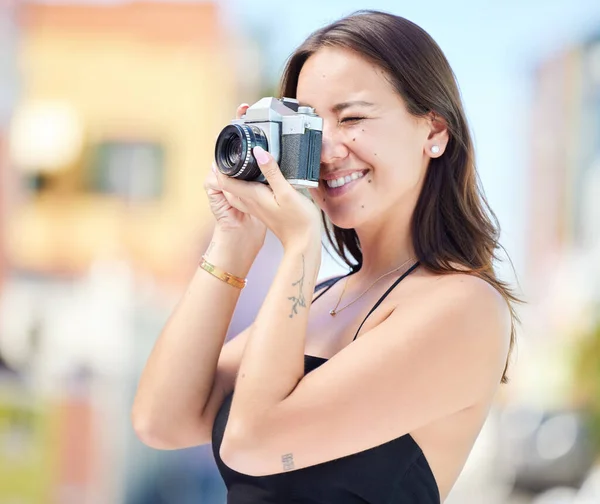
[343, 220]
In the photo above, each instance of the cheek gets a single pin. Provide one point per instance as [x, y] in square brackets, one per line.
[395, 153]
[317, 197]
[371, 146]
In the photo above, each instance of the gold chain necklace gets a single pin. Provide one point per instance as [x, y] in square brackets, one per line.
[335, 311]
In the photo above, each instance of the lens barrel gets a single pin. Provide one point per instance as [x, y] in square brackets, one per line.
[233, 150]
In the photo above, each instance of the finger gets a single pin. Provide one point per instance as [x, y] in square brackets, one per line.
[212, 187]
[236, 202]
[270, 169]
[211, 182]
[249, 191]
[212, 179]
[241, 110]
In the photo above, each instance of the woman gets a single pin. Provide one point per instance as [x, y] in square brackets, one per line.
[378, 392]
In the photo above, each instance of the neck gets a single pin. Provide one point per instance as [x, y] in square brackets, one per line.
[385, 245]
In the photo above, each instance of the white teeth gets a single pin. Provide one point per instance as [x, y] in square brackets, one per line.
[344, 180]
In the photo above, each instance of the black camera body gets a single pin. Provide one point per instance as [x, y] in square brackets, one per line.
[290, 133]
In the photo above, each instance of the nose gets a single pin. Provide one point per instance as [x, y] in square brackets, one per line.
[333, 148]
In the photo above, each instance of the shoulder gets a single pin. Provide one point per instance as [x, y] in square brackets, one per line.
[470, 291]
[466, 293]
[459, 313]
[468, 299]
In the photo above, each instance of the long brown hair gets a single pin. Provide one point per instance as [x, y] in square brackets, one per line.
[453, 228]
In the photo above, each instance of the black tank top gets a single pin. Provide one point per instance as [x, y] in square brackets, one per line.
[393, 472]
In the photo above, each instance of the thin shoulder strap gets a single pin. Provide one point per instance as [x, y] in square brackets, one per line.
[329, 284]
[380, 300]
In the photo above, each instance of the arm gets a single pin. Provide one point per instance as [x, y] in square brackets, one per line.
[179, 376]
[438, 353]
[273, 360]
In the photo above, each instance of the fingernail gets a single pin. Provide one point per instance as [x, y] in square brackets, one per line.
[261, 155]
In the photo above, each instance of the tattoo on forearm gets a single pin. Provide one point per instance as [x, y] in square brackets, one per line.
[300, 299]
[288, 461]
[210, 247]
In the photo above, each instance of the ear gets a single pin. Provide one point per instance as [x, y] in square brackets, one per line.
[438, 137]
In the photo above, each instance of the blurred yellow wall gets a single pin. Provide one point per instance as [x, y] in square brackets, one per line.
[3, 203]
[137, 71]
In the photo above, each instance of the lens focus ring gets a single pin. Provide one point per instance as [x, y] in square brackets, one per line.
[248, 155]
[233, 151]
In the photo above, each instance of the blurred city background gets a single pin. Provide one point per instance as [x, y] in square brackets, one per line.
[108, 115]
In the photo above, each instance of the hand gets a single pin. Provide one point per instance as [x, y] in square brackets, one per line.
[229, 212]
[290, 215]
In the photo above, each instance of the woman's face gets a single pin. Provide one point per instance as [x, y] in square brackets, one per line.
[368, 135]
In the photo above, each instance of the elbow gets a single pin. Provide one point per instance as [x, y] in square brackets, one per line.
[148, 433]
[155, 435]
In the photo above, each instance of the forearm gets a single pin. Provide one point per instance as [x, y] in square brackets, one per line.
[273, 360]
[178, 377]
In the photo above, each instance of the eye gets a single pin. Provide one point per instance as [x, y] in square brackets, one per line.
[347, 120]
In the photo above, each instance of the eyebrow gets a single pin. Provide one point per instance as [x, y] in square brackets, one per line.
[344, 105]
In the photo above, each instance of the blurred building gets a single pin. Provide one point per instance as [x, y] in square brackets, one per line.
[114, 132]
[8, 93]
[562, 275]
[565, 168]
[107, 145]
[546, 439]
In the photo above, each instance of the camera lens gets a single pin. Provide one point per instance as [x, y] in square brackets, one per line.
[233, 151]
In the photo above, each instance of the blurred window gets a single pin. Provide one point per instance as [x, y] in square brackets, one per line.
[133, 170]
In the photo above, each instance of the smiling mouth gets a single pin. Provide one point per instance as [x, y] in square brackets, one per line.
[342, 181]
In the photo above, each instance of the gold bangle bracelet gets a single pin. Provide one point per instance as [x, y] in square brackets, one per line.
[222, 275]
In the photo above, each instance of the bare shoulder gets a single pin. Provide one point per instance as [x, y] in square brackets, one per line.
[465, 292]
[461, 314]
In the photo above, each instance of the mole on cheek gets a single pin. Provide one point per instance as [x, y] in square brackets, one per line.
[354, 139]
[369, 181]
[362, 206]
